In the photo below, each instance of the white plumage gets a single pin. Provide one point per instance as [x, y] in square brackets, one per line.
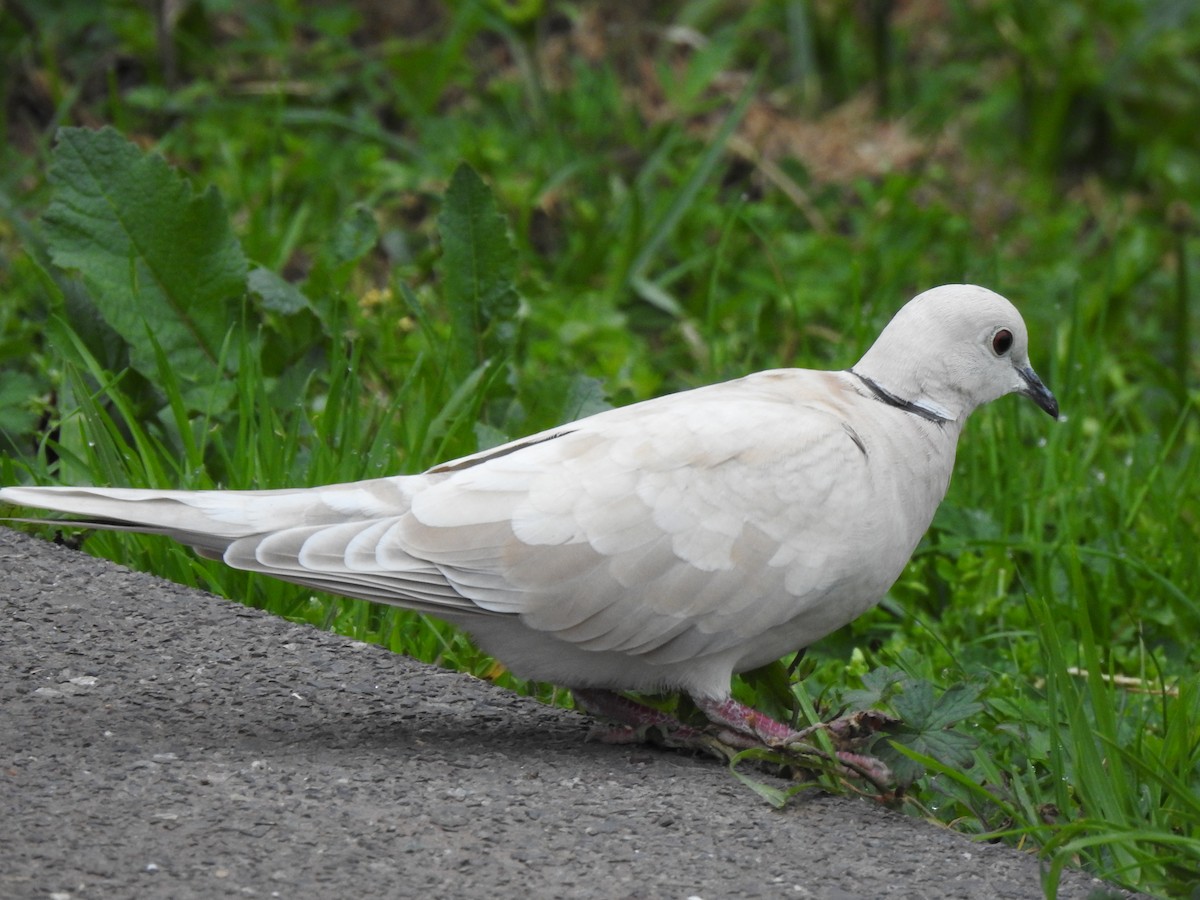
[664, 545]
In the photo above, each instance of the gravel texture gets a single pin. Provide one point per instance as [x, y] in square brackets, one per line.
[156, 741]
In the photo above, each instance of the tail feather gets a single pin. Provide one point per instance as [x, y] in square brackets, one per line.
[212, 519]
[301, 536]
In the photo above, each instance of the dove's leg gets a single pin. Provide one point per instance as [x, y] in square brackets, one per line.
[747, 722]
[846, 732]
[740, 726]
[633, 719]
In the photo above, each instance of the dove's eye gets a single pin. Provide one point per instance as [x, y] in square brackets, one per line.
[1002, 341]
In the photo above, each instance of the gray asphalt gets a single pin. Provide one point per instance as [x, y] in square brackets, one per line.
[156, 741]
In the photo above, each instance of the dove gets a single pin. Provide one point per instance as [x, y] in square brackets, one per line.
[659, 547]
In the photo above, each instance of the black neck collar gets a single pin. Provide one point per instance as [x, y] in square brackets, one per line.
[891, 399]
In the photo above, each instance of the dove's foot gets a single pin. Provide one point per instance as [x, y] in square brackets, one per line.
[733, 727]
[747, 725]
[736, 724]
[846, 733]
[635, 721]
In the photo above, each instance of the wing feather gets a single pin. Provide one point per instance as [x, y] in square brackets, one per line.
[682, 535]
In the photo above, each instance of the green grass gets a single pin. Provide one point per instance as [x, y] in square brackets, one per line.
[641, 256]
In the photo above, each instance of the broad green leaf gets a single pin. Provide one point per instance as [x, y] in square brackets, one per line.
[915, 705]
[478, 262]
[278, 295]
[928, 720]
[157, 258]
[921, 711]
[354, 236]
[959, 702]
[17, 414]
[879, 686]
[585, 397]
[952, 747]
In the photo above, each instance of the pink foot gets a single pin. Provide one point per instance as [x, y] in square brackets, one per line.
[747, 722]
[738, 727]
[634, 720]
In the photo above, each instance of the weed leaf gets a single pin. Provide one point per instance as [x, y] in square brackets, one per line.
[157, 259]
[879, 686]
[354, 236]
[277, 294]
[927, 730]
[477, 267]
[584, 397]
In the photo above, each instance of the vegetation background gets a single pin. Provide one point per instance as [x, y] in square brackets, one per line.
[301, 285]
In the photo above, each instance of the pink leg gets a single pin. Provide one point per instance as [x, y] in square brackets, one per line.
[738, 728]
[624, 711]
[747, 722]
[634, 719]
[741, 726]
[750, 725]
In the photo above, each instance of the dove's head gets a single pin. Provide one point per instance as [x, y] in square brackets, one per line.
[952, 349]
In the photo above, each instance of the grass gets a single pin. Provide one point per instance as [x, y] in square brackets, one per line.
[683, 205]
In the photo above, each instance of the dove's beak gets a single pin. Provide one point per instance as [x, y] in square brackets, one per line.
[1036, 391]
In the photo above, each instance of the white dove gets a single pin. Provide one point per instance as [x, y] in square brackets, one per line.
[663, 546]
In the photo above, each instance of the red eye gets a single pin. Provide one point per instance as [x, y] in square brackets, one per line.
[1002, 341]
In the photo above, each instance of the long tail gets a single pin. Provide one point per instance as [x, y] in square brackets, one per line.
[210, 521]
[332, 538]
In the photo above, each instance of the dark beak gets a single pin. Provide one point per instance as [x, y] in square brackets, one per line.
[1038, 392]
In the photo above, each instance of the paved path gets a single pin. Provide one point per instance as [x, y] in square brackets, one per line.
[156, 741]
